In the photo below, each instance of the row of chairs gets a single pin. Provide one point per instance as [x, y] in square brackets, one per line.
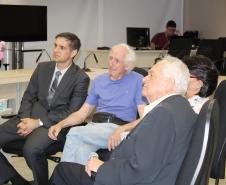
[206, 155]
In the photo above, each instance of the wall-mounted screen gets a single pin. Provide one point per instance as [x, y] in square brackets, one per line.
[22, 23]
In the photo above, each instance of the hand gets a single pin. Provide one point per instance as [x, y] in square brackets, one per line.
[177, 32]
[27, 125]
[115, 138]
[54, 131]
[93, 165]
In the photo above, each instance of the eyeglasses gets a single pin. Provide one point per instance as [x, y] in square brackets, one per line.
[192, 76]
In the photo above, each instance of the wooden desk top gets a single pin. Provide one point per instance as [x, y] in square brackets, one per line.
[24, 75]
[15, 76]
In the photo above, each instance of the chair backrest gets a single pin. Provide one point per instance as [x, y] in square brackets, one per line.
[180, 47]
[196, 166]
[140, 71]
[223, 40]
[218, 166]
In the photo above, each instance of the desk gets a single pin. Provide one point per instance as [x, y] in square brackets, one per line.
[145, 58]
[14, 82]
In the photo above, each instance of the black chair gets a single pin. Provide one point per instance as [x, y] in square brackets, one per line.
[180, 47]
[140, 71]
[218, 166]
[15, 147]
[192, 34]
[196, 166]
[212, 48]
[223, 66]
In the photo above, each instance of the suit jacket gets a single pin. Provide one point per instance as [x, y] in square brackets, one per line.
[153, 152]
[69, 95]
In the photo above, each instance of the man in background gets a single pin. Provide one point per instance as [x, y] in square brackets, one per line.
[162, 40]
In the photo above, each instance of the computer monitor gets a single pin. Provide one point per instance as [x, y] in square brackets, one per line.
[180, 46]
[22, 23]
[194, 35]
[212, 48]
[138, 37]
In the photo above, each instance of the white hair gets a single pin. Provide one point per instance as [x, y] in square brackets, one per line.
[130, 56]
[176, 69]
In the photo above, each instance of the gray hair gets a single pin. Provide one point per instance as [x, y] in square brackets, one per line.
[130, 56]
[176, 69]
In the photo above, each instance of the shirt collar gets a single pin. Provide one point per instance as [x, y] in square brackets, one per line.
[62, 71]
[153, 104]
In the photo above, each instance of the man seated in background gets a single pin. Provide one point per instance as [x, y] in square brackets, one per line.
[202, 84]
[154, 150]
[56, 89]
[116, 96]
[162, 40]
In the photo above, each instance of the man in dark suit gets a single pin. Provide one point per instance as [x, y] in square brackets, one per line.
[154, 150]
[56, 89]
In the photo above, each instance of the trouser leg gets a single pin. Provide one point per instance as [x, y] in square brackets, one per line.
[83, 140]
[70, 174]
[7, 134]
[35, 156]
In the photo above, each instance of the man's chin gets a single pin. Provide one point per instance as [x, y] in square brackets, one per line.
[144, 93]
[57, 61]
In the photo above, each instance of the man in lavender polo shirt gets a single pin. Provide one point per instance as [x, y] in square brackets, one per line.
[118, 92]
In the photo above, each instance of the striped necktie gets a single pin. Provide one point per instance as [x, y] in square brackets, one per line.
[53, 87]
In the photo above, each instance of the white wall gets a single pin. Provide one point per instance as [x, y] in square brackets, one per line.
[207, 16]
[100, 22]
[119, 14]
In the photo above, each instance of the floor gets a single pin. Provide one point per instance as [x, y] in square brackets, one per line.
[20, 165]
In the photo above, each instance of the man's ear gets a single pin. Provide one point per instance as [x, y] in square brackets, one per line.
[128, 67]
[171, 84]
[74, 53]
[200, 82]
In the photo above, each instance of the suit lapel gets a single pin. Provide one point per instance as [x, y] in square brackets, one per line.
[64, 81]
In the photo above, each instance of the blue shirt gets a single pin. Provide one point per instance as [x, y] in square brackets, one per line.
[119, 97]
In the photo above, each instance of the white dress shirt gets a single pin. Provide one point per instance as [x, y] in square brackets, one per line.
[59, 79]
[153, 104]
[197, 102]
